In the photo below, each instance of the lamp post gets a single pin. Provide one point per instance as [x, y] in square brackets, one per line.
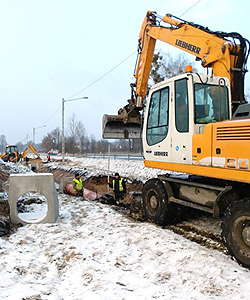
[63, 109]
[34, 132]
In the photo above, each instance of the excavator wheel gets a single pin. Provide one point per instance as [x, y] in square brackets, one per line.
[155, 203]
[4, 157]
[236, 231]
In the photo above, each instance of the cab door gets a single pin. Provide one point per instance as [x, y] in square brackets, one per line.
[183, 123]
[157, 130]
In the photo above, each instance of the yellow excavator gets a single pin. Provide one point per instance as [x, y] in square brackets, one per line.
[13, 155]
[194, 124]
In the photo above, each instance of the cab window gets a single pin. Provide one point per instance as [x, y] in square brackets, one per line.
[157, 124]
[211, 103]
[181, 106]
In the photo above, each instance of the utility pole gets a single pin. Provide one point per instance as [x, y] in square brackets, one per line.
[63, 142]
[63, 111]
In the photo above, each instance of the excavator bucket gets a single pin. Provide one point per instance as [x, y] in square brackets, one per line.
[114, 127]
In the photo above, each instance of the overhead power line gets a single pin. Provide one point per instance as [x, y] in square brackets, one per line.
[51, 116]
[123, 59]
[190, 8]
[103, 75]
[92, 84]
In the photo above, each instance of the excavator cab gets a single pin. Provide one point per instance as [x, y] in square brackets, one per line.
[177, 112]
[11, 149]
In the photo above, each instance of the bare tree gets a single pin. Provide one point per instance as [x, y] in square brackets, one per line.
[137, 145]
[86, 144]
[164, 66]
[81, 134]
[156, 74]
[71, 140]
[3, 143]
[92, 144]
[20, 146]
[56, 135]
[47, 142]
[121, 145]
[102, 146]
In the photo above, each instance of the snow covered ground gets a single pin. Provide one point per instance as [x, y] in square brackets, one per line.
[127, 168]
[95, 252]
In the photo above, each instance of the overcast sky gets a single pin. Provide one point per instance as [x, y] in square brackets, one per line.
[54, 49]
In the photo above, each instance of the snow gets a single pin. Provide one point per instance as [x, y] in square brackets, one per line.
[135, 170]
[33, 212]
[34, 217]
[95, 252]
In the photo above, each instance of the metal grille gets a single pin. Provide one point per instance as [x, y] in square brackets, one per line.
[233, 133]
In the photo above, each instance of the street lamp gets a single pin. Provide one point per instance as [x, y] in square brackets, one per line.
[63, 140]
[34, 132]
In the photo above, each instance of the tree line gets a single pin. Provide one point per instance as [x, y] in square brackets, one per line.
[77, 141]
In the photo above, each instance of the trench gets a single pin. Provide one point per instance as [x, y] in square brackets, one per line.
[194, 227]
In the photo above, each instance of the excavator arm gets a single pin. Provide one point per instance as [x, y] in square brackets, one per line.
[30, 148]
[225, 53]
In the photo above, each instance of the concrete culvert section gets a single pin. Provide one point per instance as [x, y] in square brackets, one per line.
[32, 207]
[29, 190]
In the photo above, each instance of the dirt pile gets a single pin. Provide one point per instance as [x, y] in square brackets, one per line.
[4, 175]
[4, 208]
[4, 205]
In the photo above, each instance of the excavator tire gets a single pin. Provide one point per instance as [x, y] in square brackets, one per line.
[156, 207]
[236, 231]
[5, 158]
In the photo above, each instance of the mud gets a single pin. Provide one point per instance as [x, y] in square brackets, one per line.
[204, 238]
[4, 208]
[97, 184]
[4, 175]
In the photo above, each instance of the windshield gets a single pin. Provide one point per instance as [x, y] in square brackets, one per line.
[211, 103]
[11, 149]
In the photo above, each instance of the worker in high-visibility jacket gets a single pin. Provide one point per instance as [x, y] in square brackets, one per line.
[119, 187]
[78, 186]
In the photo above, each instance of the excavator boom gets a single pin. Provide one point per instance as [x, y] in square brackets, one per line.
[30, 148]
[225, 53]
